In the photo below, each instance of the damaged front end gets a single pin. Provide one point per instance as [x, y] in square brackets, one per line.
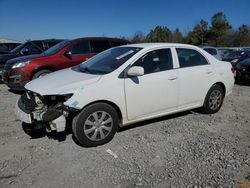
[47, 110]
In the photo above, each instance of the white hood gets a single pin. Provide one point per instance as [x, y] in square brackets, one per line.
[61, 82]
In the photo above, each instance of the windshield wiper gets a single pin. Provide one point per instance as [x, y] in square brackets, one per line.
[85, 69]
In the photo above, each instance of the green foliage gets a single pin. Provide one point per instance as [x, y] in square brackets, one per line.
[242, 36]
[219, 27]
[199, 34]
[219, 33]
[177, 36]
[138, 37]
[159, 34]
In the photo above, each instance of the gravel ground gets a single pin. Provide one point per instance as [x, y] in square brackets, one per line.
[184, 150]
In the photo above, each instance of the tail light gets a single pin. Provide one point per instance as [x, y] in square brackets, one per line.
[233, 71]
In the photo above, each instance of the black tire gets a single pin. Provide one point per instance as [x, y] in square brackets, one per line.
[210, 106]
[79, 125]
[41, 73]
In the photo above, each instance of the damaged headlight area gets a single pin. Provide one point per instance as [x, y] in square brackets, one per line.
[47, 109]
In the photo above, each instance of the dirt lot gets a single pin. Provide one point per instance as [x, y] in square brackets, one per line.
[184, 150]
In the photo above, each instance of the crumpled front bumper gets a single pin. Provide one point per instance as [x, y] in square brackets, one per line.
[27, 111]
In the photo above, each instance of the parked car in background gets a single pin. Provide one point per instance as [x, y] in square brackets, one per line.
[5, 48]
[68, 53]
[213, 51]
[233, 55]
[243, 70]
[224, 52]
[27, 48]
[244, 55]
[124, 85]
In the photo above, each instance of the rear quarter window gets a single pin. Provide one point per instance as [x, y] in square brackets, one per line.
[212, 51]
[99, 46]
[118, 43]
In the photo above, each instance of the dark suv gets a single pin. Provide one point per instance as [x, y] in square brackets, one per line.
[18, 71]
[27, 48]
[5, 48]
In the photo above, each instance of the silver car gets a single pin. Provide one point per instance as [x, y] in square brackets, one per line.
[213, 51]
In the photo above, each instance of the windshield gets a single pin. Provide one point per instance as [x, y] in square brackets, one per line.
[56, 48]
[17, 49]
[108, 60]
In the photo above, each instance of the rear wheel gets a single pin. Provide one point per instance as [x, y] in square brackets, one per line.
[95, 125]
[213, 100]
[41, 73]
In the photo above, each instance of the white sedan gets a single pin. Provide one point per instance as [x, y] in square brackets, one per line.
[124, 85]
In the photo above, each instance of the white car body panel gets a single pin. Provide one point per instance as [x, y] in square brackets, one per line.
[148, 91]
[60, 81]
[154, 95]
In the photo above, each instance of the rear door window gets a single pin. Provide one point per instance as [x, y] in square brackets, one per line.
[118, 43]
[99, 46]
[80, 48]
[190, 58]
[39, 44]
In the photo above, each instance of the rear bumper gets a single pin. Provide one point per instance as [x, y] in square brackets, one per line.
[242, 75]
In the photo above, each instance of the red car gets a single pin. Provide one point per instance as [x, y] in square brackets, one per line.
[18, 71]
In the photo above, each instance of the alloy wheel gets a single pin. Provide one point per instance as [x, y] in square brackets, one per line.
[98, 125]
[215, 99]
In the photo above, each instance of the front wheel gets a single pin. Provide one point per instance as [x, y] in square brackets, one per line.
[95, 125]
[213, 100]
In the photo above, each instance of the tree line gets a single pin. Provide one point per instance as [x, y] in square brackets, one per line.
[218, 33]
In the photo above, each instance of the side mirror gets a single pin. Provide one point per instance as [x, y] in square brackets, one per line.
[68, 54]
[24, 51]
[135, 71]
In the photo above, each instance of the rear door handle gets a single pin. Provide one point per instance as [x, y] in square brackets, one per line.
[172, 77]
[209, 72]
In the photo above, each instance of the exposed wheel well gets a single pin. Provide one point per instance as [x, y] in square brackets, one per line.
[42, 68]
[222, 86]
[117, 109]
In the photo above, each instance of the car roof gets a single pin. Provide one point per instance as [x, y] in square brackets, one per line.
[158, 44]
[207, 47]
[46, 40]
[102, 38]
